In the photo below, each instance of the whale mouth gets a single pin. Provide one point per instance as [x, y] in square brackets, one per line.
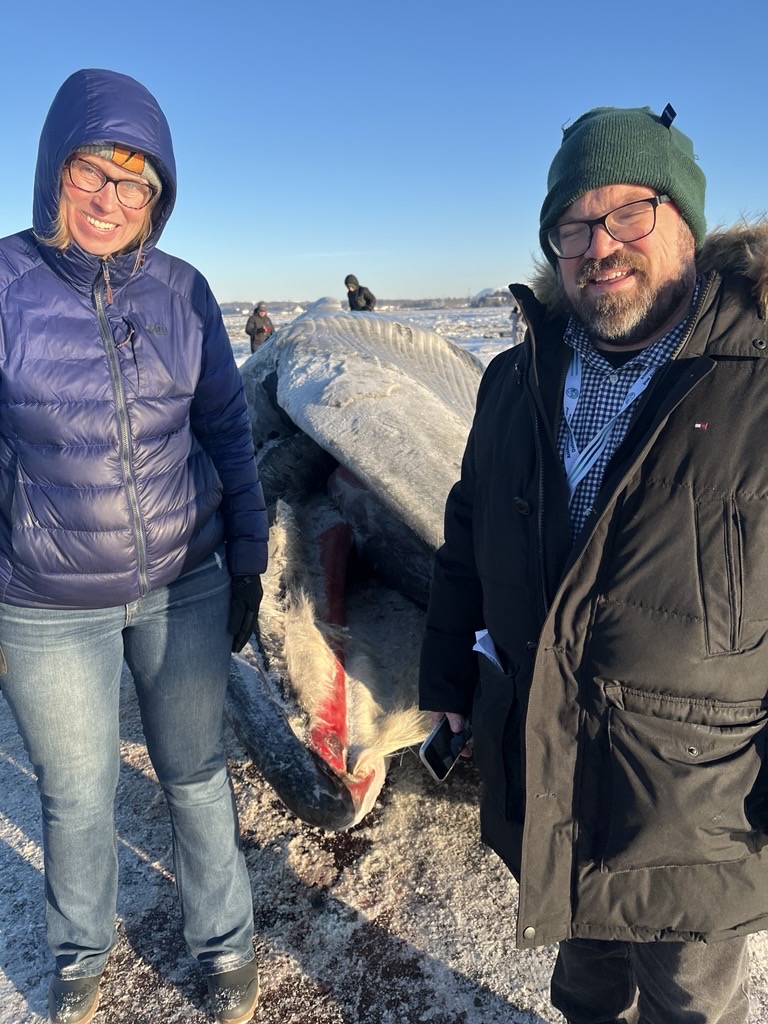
[300, 778]
[325, 696]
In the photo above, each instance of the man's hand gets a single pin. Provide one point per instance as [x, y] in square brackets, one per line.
[457, 724]
[244, 609]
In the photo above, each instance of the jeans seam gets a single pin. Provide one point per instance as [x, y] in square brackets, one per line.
[176, 863]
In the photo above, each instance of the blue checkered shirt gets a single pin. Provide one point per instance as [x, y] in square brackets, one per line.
[603, 389]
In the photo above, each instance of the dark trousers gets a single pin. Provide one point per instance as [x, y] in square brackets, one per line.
[651, 982]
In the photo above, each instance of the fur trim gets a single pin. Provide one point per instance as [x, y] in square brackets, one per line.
[742, 249]
[546, 288]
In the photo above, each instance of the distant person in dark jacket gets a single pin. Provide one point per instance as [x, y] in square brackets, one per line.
[259, 326]
[361, 300]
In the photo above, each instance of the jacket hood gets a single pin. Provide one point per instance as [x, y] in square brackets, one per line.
[742, 250]
[95, 106]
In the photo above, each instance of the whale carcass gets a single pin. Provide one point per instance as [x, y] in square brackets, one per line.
[359, 424]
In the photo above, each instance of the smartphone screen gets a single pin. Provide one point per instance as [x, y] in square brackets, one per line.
[441, 749]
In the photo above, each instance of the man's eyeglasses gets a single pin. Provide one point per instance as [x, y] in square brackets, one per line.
[627, 223]
[87, 177]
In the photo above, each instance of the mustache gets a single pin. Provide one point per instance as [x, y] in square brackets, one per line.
[616, 261]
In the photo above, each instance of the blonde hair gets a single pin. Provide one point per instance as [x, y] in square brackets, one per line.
[61, 238]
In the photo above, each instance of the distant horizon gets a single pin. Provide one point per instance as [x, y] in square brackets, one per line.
[454, 299]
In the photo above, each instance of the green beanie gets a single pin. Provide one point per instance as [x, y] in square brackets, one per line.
[625, 146]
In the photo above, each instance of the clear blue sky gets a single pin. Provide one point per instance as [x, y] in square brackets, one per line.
[404, 141]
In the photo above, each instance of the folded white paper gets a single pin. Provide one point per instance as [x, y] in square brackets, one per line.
[484, 645]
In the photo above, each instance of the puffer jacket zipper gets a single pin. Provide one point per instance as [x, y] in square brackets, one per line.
[124, 434]
[107, 281]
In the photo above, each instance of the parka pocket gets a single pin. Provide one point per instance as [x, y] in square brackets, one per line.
[496, 746]
[684, 775]
[720, 544]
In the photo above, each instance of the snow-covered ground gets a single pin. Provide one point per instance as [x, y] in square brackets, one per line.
[404, 919]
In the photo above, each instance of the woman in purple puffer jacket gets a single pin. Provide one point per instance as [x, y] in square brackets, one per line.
[132, 526]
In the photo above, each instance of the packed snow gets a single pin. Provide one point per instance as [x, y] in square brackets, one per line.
[404, 919]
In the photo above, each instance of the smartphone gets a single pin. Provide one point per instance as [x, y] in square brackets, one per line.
[440, 750]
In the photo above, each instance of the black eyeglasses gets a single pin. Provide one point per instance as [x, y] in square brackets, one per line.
[130, 193]
[628, 223]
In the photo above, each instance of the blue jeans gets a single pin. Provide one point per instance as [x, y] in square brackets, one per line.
[63, 685]
[652, 982]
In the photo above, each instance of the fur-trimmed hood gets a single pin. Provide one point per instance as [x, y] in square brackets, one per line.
[742, 250]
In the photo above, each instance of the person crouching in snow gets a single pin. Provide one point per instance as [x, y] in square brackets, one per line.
[361, 300]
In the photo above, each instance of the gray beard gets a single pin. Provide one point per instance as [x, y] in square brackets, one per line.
[627, 320]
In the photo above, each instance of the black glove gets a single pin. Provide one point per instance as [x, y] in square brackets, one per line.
[244, 609]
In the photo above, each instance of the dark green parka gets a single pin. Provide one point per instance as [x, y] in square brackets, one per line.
[622, 747]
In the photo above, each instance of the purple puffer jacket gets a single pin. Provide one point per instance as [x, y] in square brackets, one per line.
[125, 445]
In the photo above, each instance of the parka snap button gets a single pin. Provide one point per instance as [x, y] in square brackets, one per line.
[529, 933]
[760, 343]
[693, 751]
[531, 645]
[521, 506]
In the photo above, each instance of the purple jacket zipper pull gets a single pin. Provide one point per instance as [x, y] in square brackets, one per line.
[107, 282]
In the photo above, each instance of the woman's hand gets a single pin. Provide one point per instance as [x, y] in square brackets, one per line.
[244, 609]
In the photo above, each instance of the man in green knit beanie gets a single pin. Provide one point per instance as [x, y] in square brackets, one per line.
[599, 607]
[610, 146]
[611, 154]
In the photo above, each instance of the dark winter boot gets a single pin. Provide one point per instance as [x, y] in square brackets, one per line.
[73, 1001]
[234, 994]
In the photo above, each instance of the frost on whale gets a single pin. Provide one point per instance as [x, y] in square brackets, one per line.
[359, 423]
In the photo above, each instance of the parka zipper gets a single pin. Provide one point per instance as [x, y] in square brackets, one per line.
[540, 511]
[124, 434]
[696, 312]
[523, 378]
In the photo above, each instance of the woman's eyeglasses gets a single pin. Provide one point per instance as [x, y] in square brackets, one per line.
[130, 193]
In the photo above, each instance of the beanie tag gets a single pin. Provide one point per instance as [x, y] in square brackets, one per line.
[668, 115]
